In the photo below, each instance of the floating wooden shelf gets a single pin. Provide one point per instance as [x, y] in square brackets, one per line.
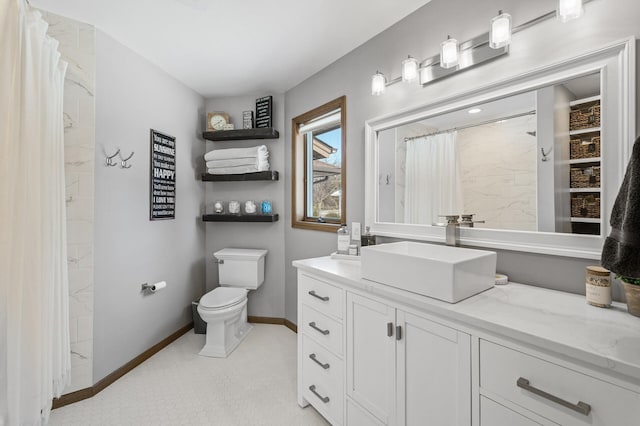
[242, 134]
[240, 218]
[585, 160]
[269, 175]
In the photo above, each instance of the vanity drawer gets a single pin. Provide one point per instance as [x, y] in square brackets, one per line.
[319, 361]
[494, 414]
[320, 295]
[326, 396]
[322, 329]
[519, 378]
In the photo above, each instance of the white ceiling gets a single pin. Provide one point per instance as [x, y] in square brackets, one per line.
[233, 47]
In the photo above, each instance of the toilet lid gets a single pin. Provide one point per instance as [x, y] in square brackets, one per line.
[223, 296]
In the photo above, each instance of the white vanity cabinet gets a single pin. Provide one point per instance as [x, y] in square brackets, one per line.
[516, 355]
[404, 368]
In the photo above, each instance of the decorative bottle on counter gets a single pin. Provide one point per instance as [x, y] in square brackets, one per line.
[343, 239]
[598, 283]
[368, 239]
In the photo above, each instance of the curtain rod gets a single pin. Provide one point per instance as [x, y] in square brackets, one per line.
[453, 129]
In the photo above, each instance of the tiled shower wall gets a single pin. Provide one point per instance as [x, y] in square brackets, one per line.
[77, 48]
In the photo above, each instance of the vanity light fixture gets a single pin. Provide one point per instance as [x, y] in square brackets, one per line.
[409, 69]
[378, 84]
[569, 10]
[474, 110]
[500, 31]
[449, 53]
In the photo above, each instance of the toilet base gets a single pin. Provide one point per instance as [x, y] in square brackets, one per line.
[226, 333]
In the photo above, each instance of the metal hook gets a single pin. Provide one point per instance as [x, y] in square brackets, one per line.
[123, 163]
[544, 155]
[110, 161]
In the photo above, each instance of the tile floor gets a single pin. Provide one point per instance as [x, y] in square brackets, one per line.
[255, 385]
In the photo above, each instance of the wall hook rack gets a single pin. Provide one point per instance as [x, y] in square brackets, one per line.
[123, 162]
[545, 155]
[109, 162]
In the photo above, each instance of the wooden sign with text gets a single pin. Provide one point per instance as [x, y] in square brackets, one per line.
[163, 176]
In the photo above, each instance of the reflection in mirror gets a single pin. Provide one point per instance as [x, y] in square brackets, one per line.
[528, 162]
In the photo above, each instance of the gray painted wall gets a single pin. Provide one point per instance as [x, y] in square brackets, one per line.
[420, 35]
[268, 300]
[133, 96]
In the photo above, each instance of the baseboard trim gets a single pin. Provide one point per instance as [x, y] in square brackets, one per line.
[89, 392]
[273, 320]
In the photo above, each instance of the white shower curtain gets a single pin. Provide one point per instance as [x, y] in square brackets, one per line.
[432, 183]
[34, 324]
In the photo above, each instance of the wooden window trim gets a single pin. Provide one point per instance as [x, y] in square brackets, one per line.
[298, 171]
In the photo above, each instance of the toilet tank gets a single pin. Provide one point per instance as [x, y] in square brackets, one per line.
[241, 267]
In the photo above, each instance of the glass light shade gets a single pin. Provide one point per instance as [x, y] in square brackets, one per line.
[409, 69]
[378, 83]
[449, 53]
[569, 9]
[500, 32]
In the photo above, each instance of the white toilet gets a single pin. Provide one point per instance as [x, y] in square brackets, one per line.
[224, 308]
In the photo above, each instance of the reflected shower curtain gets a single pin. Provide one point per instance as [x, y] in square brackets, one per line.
[432, 183]
[34, 324]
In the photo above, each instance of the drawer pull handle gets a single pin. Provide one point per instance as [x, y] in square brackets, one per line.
[389, 329]
[314, 359]
[580, 407]
[314, 294]
[315, 327]
[324, 399]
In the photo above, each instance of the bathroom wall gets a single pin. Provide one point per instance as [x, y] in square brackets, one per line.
[498, 163]
[420, 35]
[77, 48]
[268, 300]
[132, 97]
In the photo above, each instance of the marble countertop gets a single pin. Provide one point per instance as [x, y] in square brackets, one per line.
[552, 320]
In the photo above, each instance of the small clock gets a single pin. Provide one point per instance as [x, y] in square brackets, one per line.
[217, 120]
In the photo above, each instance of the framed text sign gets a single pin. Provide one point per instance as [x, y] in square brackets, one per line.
[163, 176]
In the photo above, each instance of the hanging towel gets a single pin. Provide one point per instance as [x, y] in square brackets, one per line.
[260, 152]
[621, 251]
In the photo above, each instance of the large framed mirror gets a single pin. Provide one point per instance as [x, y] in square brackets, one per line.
[537, 159]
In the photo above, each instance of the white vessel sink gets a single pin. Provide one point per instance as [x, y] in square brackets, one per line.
[446, 273]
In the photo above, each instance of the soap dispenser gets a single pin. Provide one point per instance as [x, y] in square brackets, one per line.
[343, 239]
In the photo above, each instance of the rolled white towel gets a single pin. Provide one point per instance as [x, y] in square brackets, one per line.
[232, 162]
[235, 170]
[260, 152]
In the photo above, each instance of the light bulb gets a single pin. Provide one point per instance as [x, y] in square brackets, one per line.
[569, 9]
[378, 83]
[449, 53]
[500, 32]
[409, 69]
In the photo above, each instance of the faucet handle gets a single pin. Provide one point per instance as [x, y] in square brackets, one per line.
[451, 218]
[467, 220]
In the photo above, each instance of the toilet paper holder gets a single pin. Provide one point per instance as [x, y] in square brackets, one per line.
[152, 288]
[146, 286]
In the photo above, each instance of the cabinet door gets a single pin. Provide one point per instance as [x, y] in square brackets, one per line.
[371, 356]
[433, 374]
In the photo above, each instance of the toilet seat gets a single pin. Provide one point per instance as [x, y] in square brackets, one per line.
[222, 297]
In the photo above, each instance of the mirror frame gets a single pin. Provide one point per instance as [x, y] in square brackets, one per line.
[616, 64]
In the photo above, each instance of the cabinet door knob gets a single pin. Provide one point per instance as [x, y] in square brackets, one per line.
[315, 327]
[323, 298]
[580, 407]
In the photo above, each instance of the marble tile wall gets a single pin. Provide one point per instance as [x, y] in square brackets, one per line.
[499, 176]
[77, 48]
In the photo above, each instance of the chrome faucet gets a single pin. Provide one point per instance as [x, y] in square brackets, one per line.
[452, 227]
[452, 230]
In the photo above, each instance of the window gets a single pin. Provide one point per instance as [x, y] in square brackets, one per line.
[319, 163]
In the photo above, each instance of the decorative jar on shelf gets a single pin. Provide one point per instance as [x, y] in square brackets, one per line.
[234, 207]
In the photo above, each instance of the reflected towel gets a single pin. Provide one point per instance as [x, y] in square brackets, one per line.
[260, 152]
[621, 251]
